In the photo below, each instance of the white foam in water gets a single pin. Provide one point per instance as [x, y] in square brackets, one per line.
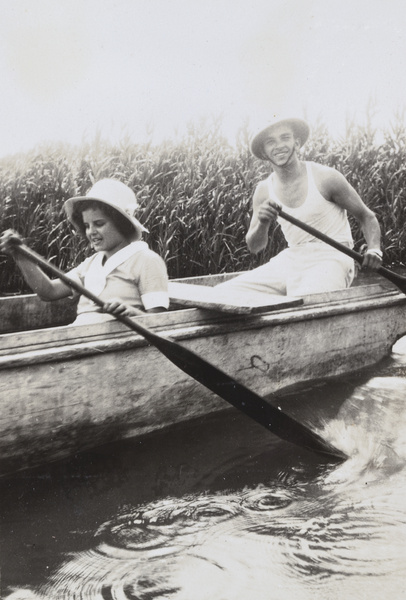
[369, 429]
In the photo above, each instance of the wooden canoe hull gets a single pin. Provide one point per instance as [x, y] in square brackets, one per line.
[68, 389]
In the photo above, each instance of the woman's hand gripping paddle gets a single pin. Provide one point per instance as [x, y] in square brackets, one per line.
[398, 280]
[239, 396]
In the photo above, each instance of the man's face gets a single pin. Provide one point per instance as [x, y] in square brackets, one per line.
[280, 145]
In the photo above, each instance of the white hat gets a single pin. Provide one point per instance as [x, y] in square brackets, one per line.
[300, 129]
[113, 193]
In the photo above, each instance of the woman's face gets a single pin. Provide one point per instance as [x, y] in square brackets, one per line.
[102, 233]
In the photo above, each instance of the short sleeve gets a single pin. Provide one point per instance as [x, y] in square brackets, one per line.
[153, 281]
[77, 274]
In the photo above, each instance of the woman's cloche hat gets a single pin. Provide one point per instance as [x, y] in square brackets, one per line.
[112, 192]
[300, 129]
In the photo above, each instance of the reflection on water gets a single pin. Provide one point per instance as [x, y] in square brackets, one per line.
[230, 512]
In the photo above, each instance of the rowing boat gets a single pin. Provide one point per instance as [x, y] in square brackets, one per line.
[66, 388]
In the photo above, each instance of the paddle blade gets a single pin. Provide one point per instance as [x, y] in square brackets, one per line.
[244, 399]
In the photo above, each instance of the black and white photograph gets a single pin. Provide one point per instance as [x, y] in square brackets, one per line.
[202, 300]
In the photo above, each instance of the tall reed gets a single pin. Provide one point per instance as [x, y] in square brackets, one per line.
[194, 194]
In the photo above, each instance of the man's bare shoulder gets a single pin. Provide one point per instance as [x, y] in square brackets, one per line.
[325, 171]
[327, 178]
[263, 183]
[261, 192]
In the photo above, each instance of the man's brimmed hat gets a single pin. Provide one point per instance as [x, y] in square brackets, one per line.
[112, 193]
[299, 127]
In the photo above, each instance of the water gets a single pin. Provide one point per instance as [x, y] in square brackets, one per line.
[223, 509]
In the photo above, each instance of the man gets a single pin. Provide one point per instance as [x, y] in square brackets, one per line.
[318, 195]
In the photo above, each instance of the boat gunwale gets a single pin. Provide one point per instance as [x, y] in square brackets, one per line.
[118, 337]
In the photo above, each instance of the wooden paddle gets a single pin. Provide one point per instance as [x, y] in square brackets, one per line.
[398, 280]
[210, 376]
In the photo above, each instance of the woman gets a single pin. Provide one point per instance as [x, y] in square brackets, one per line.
[130, 278]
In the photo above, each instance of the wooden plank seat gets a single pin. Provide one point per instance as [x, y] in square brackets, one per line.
[203, 296]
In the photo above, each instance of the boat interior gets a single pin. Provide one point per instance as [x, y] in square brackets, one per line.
[21, 313]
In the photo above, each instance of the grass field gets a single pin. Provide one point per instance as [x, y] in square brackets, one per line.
[194, 194]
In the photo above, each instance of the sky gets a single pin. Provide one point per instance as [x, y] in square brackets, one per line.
[71, 68]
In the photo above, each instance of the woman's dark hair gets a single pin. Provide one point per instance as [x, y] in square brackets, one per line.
[120, 221]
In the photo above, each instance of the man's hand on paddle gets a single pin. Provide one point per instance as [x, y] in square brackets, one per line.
[264, 213]
[267, 211]
[372, 260]
[8, 241]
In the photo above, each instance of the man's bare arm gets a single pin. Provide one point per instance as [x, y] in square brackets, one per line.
[344, 195]
[264, 213]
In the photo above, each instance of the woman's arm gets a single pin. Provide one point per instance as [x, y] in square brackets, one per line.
[39, 282]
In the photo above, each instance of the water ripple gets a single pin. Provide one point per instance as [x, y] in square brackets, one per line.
[157, 526]
[343, 530]
[267, 500]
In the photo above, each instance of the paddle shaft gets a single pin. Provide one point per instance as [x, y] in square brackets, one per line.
[398, 280]
[210, 376]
